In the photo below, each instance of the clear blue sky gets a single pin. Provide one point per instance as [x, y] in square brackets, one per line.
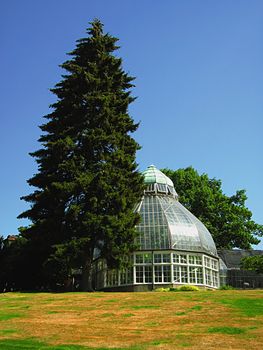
[199, 84]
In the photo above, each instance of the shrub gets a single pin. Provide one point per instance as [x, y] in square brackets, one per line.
[188, 288]
[162, 290]
[185, 288]
[226, 287]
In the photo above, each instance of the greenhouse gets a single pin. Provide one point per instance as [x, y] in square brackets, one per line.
[175, 248]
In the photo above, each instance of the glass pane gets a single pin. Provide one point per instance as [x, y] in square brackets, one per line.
[157, 258]
[139, 258]
[158, 273]
[148, 258]
[184, 277]
[161, 188]
[214, 264]
[153, 229]
[191, 259]
[167, 273]
[192, 274]
[207, 261]
[139, 274]
[166, 258]
[198, 260]
[176, 274]
[199, 275]
[148, 274]
[215, 278]
[183, 259]
[208, 276]
[176, 258]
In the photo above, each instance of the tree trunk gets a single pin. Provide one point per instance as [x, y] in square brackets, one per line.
[86, 283]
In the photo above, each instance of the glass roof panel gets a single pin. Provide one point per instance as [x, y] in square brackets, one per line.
[163, 183]
[154, 175]
[167, 224]
[153, 229]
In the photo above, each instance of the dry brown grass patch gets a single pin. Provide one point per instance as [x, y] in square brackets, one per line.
[150, 320]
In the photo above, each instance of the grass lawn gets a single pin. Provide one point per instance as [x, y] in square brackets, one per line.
[136, 321]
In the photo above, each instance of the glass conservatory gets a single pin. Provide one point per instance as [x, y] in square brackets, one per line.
[175, 247]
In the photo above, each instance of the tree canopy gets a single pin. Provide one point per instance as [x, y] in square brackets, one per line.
[226, 217]
[87, 182]
[254, 263]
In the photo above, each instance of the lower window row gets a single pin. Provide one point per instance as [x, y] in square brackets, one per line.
[163, 274]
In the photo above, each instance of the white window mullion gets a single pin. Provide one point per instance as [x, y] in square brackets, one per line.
[211, 278]
[188, 275]
[180, 275]
[203, 263]
[172, 268]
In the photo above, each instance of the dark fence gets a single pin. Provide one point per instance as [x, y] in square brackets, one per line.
[244, 279]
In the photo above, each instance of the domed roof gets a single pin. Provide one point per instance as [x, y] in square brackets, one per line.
[154, 175]
[166, 223]
[158, 182]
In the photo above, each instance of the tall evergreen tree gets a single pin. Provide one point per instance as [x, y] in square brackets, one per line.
[87, 182]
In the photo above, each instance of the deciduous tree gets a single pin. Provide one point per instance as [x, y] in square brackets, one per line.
[254, 263]
[226, 217]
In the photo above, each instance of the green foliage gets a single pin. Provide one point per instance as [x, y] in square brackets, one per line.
[87, 182]
[226, 287]
[254, 263]
[14, 262]
[162, 289]
[227, 218]
[188, 288]
[185, 288]
[59, 267]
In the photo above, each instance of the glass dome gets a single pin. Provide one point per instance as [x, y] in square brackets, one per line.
[165, 222]
[174, 247]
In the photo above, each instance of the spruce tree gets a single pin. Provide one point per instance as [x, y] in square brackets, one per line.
[87, 182]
